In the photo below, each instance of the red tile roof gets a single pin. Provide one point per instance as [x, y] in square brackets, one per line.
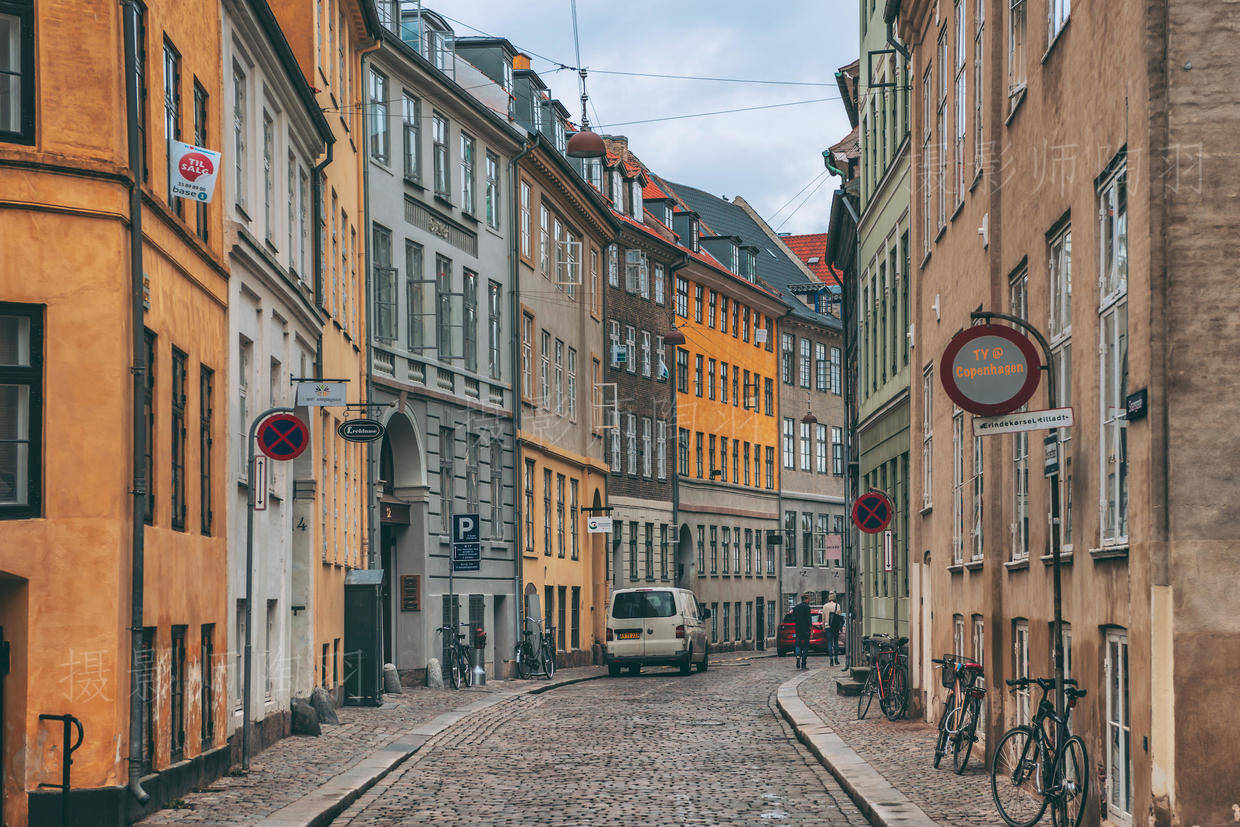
[811, 248]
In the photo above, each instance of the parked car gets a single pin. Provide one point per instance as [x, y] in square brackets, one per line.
[786, 641]
[655, 627]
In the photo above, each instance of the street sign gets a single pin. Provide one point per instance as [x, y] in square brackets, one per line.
[192, 170]
[990, 369]
[598, 525]
[1025, 421]
[258, 482]
[872, 512]
[361, 430]
[889, 557]
[466, 549]
[1050, 462]
[312, 394]
[283, 437]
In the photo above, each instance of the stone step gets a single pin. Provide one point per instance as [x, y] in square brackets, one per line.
[860, 673]
[848, 689]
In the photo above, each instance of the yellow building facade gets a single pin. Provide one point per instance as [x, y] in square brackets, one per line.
[68, 478]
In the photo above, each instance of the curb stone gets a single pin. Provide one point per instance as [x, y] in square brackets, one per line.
[882, 803]
[332, 798]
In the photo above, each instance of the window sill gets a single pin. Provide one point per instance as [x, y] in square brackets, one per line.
[1065, 558]
[926, 509]
[924, 261]
[1109, 553]
[1016, 98]
[415, 183]
[442, 199]
[977, 177]
[1050, 47]
[974, 565]
[955, 568]
[1017, 565]
[958, 209]
[939, 235]
[468, 216]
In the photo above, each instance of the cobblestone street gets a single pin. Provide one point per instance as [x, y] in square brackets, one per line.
[903, 752]
[659, 748]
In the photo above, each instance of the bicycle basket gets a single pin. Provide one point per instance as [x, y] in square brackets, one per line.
[968, 671]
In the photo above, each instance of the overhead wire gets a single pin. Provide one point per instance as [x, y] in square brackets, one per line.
[798, 195]
[788, 217]
[718, 112]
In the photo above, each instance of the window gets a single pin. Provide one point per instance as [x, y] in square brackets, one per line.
[206, 420]
[646, 353]
[617, 191]
[790, 538]
[547, 517]
[697, 303]
[527, 354]
[525, 219]
[727, 626]
[682, 454]
[447, 439]
[958, 635]
[206, 698]
[697, 374]
[698, 447]
[177, 435]
[1119, 731]
[1016, 48]
[411, 130]
[961, 95]
[645, 447]
[444, 321]
[596, 297]
[529, 506]
[977, 532]
[714, 550]
[172, 108]
[682, 370]
[496, 466]
[467, 174]
[736, 459]
[1060, 332]
[1113, 349]
[1057, 18]
[820, 367]
[493, 204]
[630, 441]
[269, 183]
[380, 143]
[805, 446]
[633, 573]
[787, 355]
[927, 166]
[495, 314]
[559, 377]
[1020, 667]
[727, 549]
[17, 71]
[473, 464]
[979, 64]
[768, 394]
[630, 349]
[21, 408]
[710, 378]
[593, 172]
[820, 448]
[807, 539]
[240, 114]
[941, 127]
[661, 448]
[649, 550]
[544, 240]
[660, 284]
[837, 451]
[723, 314]
[572, 517]
[613, 266]
[957, 488]
[789, 443]
[804, 363]
[439, 155]
[575, 617]
[572, 384]
[148, 404]
[682, 298]
[927, 435]
[559, 514]
[385, 285]
[544, 370]
[1019, 287]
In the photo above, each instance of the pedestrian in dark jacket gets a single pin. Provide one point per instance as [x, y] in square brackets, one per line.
[802, 619]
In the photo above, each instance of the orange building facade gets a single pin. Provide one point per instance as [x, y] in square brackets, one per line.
[68, 480]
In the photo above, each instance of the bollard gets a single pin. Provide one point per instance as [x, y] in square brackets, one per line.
[479, 657]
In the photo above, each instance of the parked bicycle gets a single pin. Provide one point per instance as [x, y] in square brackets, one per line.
[1039, 764]
[456, 657]
[535, 654]
[958, 723]
[888, 677]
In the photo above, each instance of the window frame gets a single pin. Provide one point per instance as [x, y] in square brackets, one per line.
[30, 376]
[24, 13]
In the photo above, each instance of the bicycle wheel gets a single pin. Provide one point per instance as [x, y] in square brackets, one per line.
[1071, 784]
[896, 700]
[1016, 778]
[525, 661]
[940, 744]
[467, 672]
[867, 694]
[962, 744]
[549, 661]
[454, 670]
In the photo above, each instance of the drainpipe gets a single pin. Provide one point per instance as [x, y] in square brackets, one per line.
[890, 12]
[372, 461]
[316, 198]
[138, 370]
[518, 391]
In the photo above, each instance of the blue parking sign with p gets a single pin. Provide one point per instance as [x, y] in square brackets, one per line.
[465, 528]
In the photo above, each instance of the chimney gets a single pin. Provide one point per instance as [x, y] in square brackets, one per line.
[521, 62]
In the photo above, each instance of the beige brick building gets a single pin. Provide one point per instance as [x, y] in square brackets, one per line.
[1098, 142]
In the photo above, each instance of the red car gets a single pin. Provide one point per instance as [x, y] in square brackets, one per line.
[786, 641]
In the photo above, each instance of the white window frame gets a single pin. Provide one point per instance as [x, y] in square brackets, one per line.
[958, 488]
[1019, 299]
[646, 353]
[978, 530]
[661, 448]
[646, 447]
[1020, 667]
[1018, 37]
[1118, 727]
[979, 68]
[1057, 12]
[630, 437]
[1113, 360]
[927, 437]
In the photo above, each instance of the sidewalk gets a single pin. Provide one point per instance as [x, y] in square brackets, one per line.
[304, 779]
[887, 761]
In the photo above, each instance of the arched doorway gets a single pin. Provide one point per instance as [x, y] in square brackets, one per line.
[402, 534]
[686, 562]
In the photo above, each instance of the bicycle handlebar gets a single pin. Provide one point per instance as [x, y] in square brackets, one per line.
[1045, 683]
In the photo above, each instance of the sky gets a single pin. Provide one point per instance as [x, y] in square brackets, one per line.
[766, 156]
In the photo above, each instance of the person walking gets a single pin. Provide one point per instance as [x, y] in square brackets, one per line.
[835, 619]
[802, 619]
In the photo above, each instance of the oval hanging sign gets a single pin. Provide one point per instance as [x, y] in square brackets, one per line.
[361, 430]
[990, 370]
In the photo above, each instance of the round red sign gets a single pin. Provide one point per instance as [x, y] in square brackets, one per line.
[872, 512]
[283, 437]
[990, 370]
[194, 164]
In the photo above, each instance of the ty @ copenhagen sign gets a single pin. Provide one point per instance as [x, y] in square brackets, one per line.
[989, 370]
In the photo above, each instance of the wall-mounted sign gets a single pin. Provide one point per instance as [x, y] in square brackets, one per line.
[1024, 421]
[834, 546]
[1050, 456]
[990, 370]
[319, 394]
[411, 592]
[283, 437]
[192, 171]
[598, 525]
[872, 512]
[889, 557]
[360, 430]
[258, 482]
[466, 549]
[1136, 406]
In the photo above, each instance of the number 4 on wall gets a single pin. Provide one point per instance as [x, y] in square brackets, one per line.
[301, 523]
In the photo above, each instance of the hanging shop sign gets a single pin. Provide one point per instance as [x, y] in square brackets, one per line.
[872, 512]
[361, 430]
[192, 171]
[598, 525]
[320, 394]
[990, 370]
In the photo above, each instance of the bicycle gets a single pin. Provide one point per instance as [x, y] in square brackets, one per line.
[456, 658]
[531, 660]
[1031, 770]
[958, 723]
[888, 677]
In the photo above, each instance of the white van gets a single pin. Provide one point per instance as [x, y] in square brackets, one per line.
[655, 626]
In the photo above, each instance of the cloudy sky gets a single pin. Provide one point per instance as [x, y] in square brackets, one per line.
[767, 156]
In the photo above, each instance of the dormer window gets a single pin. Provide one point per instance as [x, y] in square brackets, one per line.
[750, 260]
[617, 191]
[636, 200]
[538, 105]
[667, 213]
[732, 259]
[507, 75]
[559, 135]
[694, 236]
[592, 171]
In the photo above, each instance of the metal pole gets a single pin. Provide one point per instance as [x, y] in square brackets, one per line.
[1054, 482]
[249, 584]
